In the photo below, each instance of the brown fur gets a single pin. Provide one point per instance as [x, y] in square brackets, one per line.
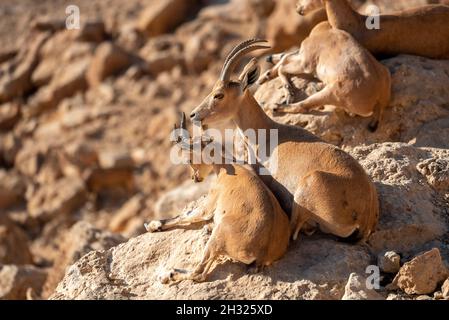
[422, 31]
[354, 80]
[316, 182]
[249, 224]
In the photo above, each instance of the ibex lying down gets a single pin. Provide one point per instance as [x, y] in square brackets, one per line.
[249, 224]
[315, 182]
[354, 80]
[422, 31]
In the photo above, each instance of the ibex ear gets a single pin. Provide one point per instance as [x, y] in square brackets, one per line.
[250, 74]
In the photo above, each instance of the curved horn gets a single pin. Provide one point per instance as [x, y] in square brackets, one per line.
[238, 47]
[230, 65]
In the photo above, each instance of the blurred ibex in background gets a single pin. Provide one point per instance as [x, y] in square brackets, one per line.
[249, 224]
[354, 80]
[422, 31]
[317, 183]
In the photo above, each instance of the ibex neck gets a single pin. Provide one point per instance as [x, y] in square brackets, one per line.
[341, 15]
[251, 115]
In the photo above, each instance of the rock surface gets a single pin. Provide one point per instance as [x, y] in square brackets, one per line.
[422, 274]
[15, 281]
[356, 289]
[80, 240]
[389, 262]
[131, 270]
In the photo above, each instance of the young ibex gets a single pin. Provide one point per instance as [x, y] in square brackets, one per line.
[354, 80]
[315, 182]
[422, 31]
[249, 224]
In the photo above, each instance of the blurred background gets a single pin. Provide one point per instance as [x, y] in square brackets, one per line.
[85, 115]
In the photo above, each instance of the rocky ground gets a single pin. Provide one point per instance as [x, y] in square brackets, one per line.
[85, 117]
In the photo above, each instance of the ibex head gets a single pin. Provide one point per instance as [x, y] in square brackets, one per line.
[189, 146]
[303, 7]
[223, 102]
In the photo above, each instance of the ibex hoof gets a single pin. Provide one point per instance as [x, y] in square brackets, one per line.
[153, 226]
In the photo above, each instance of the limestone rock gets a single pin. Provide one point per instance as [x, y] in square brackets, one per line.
[15, 76]
[312, 269]
[63, 197]
[409, 216]
[356, 289]
[81, 239]
[9, 116]
[109, 59]
[422, 274]
[13, 243]
[16, 280]
[65, 83]
[445, 289]
[12, 188]
[163, 16]
[389, 262]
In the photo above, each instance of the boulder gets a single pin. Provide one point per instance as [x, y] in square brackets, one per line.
[10, 145]
[65, 83]
[410, 214]
[15, 75]
[14, 243]
[312, 269]
[63, 197]
[389, 262]
[422, 274]
[445, 289]
[108, 60]
[12, 188]
[9, 116]
[15, 281]
[165, 15]
[81, 239]
[356, 289]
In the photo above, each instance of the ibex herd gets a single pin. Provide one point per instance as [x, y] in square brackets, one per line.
[311, 185]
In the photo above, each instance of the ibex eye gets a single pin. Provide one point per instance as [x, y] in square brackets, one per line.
[219, 96]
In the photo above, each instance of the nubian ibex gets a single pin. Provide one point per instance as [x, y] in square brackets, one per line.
[354, 80]
[421, 31]
[316, 183]
[249, 224]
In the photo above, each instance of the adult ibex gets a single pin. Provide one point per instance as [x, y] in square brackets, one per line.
[354, 80]
[315, 182]
[422, 31]
[249, 224]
